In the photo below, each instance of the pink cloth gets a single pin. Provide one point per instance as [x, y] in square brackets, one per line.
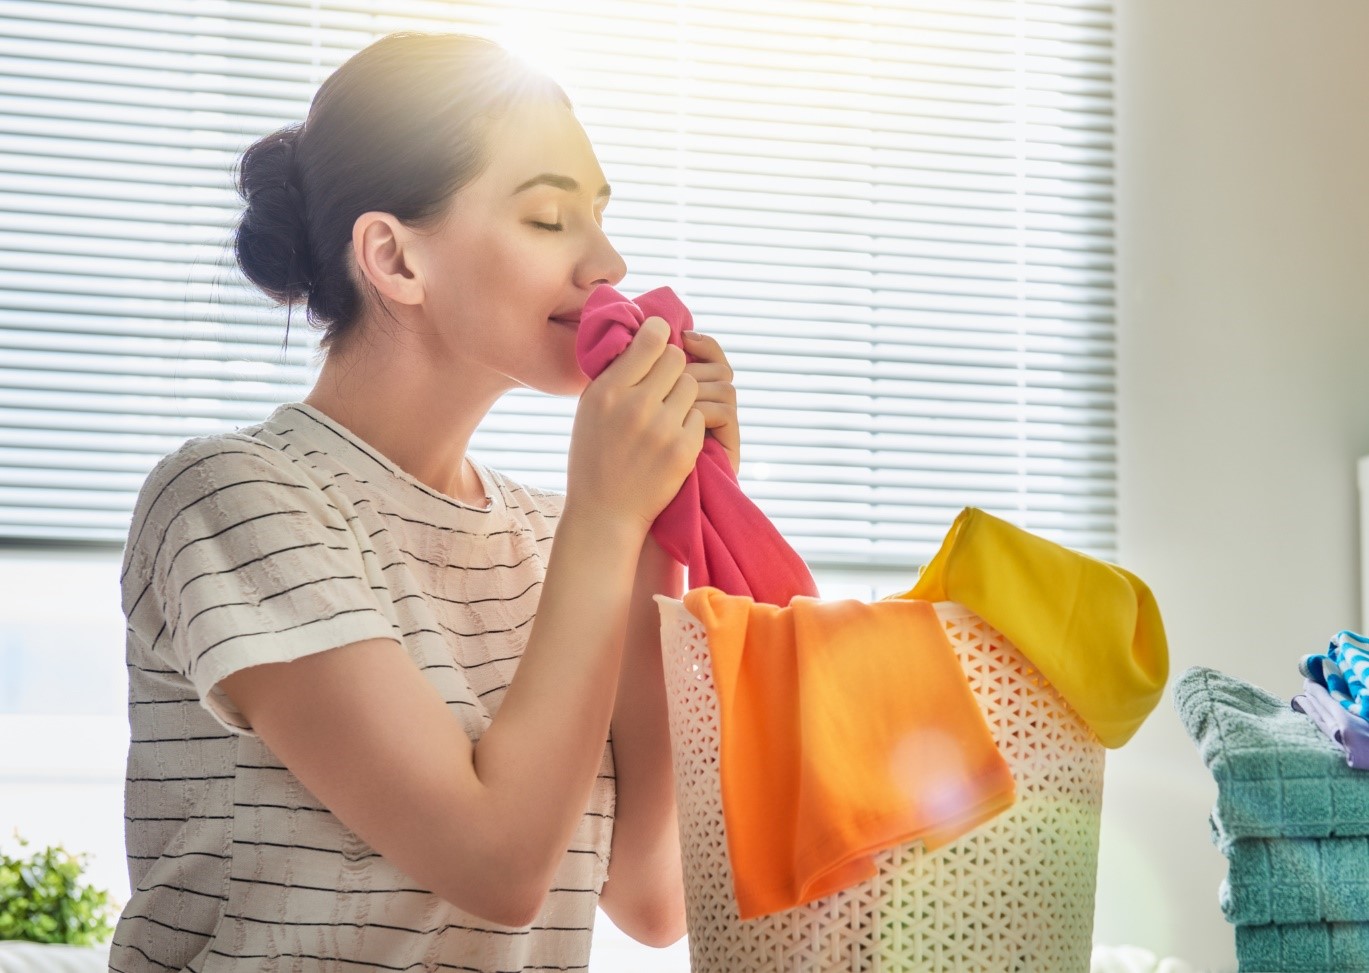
[711, 527]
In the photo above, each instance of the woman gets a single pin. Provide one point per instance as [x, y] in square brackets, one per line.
[379, 719]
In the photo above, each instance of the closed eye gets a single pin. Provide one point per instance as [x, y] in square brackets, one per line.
[555, 227]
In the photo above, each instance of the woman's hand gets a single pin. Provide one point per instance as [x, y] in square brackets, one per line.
[717, 398]
[637, 432]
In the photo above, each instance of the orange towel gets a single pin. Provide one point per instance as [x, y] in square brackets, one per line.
[846, 728]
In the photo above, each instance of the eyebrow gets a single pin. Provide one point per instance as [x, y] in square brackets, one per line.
[561, 182]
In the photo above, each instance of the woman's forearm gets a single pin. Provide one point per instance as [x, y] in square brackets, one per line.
[644, 894]
[540, 755]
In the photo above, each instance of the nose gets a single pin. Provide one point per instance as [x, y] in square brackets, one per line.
[603, 264]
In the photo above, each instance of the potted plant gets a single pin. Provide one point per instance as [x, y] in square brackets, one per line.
[44, 900]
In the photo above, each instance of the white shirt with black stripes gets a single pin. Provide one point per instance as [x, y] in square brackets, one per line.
[286, 538]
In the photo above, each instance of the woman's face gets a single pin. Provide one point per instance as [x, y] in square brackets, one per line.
[519, 247]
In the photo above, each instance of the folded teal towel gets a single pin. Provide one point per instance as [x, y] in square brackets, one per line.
[1296, 880]
[1278, 776]
[1341, 947]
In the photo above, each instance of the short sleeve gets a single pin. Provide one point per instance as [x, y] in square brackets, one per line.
[248, 561]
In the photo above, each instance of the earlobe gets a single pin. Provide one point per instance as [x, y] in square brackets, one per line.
[385, 256]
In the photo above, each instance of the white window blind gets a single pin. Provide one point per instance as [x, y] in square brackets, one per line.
[896, 217]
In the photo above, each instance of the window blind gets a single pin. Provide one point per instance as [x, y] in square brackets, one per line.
[897, 218]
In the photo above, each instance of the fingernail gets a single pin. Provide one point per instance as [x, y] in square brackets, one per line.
[691, 334]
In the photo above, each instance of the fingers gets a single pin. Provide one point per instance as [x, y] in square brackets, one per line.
[711, 369]
[641, 355]
[705, 348]
[715, 383]
[716, 415]
[711, 372]
[664, 373]
[681, 398]
[694, 427]
[654, 366]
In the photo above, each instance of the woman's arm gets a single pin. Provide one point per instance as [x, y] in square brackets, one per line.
[485, 826]
[644, 894]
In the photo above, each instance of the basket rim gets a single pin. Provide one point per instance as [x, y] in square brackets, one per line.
[673, 608]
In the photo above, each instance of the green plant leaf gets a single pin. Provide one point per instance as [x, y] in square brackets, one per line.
[42, 899]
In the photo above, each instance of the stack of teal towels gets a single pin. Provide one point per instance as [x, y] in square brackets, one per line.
[1292, 819]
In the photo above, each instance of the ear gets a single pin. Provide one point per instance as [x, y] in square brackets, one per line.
[383, 248]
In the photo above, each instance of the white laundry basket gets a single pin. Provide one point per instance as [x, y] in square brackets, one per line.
[1015, 895]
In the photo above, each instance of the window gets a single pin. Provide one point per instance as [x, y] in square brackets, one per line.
[897, 217]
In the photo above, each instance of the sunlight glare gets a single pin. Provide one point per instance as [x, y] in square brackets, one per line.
[538, 42]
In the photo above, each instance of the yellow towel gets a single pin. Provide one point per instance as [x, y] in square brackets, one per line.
[846, 728]
[1092, 629]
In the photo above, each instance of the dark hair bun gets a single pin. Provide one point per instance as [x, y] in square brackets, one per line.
[272, 238]
[399, 128]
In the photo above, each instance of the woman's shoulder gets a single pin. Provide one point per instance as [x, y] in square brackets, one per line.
[236, 470]
[207, 459]
[264, 445]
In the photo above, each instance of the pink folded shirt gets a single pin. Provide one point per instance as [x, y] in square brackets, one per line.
[711, 527]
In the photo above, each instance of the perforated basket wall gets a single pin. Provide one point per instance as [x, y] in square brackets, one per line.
[1013, 896]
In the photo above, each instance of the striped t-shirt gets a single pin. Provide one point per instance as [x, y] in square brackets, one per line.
[282, 539]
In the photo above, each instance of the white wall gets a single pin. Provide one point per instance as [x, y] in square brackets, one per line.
[1244, 393]
[1244, 375]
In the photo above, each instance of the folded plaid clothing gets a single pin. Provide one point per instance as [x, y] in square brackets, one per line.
[1340, 947]
[1296, 880]
[1277, 775]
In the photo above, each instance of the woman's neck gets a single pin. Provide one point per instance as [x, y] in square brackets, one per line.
[418, 411]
